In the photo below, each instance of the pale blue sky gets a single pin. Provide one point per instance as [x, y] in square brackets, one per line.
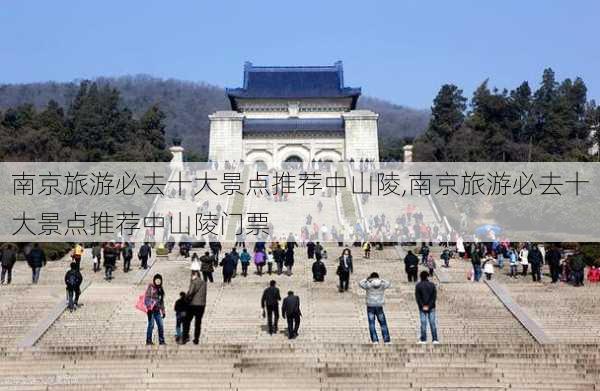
[402, 51]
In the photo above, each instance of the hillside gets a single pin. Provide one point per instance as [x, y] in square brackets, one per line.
[188, 104]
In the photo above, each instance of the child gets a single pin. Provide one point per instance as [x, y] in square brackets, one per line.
[488, 267]
[180, 314]
[367, 249]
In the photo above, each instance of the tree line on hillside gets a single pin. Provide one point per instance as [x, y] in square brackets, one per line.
[556, 122]
[187, 106]
[95, 126]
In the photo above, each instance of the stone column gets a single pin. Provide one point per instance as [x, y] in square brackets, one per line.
[361, 140]
[225, 142]
[177, 160]
[408, 153]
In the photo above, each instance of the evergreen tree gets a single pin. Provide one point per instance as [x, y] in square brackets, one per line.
[447, 116]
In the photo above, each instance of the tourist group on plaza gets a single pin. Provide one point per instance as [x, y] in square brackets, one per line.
[278, 258]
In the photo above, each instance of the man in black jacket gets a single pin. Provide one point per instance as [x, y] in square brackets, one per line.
[426, 294]
[73, 280]
[7, 260]
[36, 260]
[127, 251]
[270, 303]
[553, 258]
[411, 266]
[110, 260]
[536, 260]
[290, 310]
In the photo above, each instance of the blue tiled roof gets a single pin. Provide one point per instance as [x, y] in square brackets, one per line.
[293, 125]
[293, 83]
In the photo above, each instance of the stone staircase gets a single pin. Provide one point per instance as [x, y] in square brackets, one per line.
[101, 345]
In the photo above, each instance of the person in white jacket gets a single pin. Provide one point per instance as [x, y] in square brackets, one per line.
[524, 258]
[375, 299]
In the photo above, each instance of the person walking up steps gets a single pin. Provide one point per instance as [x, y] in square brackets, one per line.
[207, 267]
[270, 306]
[228, 265]
[110, 260]
[8, 260]
[73, 280]
[127, 252]
[426, 294]
[375, 299]
[36, 260]
[290, 309]
[245, 261]
[154, 300]
[196, 299]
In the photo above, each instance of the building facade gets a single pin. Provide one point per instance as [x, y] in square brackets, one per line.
[293, 114]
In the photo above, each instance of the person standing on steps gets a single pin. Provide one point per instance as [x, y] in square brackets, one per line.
[426, 294]
[180, 314]
[375, 298]
[196, 299]
[553, 258]
[524, 258]
[154, 300]
[344, 269]
[96, 256]
[411, 266]
[207, 267]
[270, 306]
[8, 260]
[73, 280]
[536, 260]
[36, 260]
[110, 260]
[144, 254]
[290, 309]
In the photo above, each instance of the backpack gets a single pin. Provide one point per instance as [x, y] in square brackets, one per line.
[72, 280]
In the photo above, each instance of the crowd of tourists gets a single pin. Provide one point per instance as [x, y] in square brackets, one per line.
[278, 258]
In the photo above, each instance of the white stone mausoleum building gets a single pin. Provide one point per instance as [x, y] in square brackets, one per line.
[293, 114]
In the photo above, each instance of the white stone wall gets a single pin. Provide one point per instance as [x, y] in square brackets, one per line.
[361, 135]
[273, 150]
[225, 141]
[228, 143]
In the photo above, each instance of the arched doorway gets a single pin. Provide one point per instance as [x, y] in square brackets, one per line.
[260, 165]
[293, 159]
